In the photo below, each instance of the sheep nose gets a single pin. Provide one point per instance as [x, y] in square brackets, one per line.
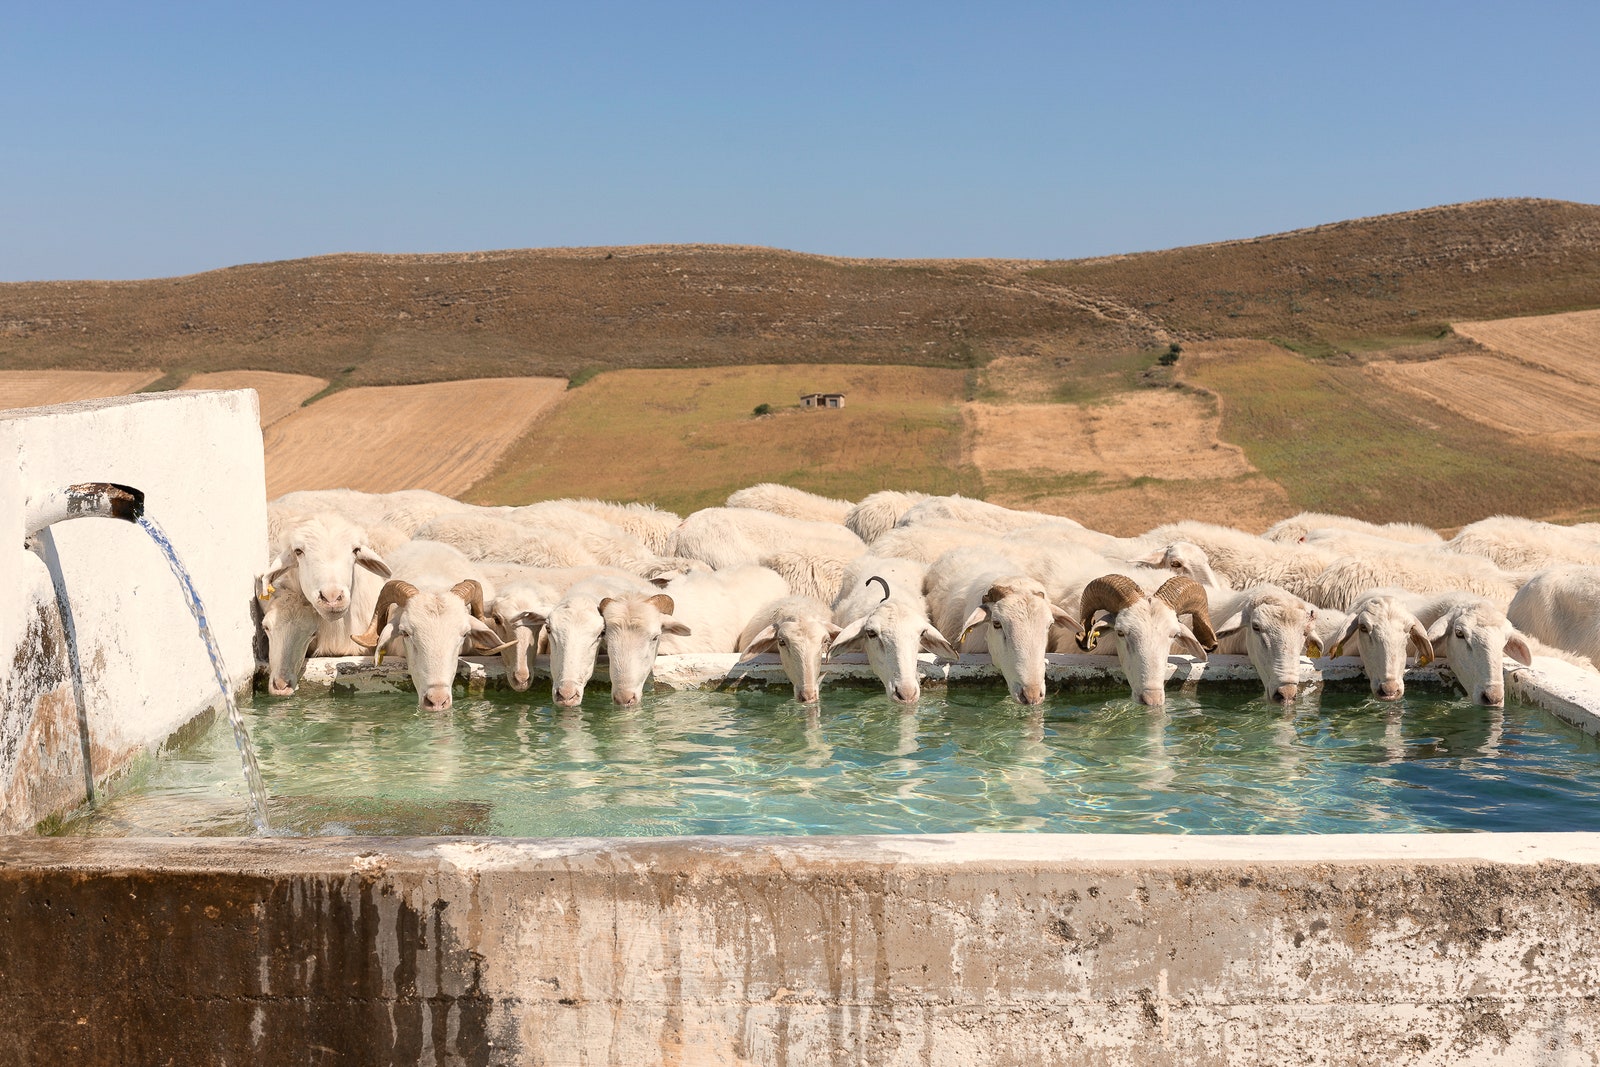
[627, 700]
[1493, 695]
[437, 698]
[279, 688]
[1031, 694]
[521, 680]
[908, 694]
[568, 694]
[1390, 690]
[806, 694]
[333, 600]
[1152, 696]
[1285, 694]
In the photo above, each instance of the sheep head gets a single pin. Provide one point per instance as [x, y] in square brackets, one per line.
[1109, 593]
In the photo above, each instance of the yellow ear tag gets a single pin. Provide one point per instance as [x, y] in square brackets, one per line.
[963, 638]
[377, 656]
[1336, 650]
[1425, 659]
[267, 595]
[1314, 648]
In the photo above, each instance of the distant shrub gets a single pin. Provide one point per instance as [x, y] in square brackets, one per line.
[1170, 356]
[762, 409]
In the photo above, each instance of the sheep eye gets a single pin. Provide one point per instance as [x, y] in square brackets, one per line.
[1365, 628]
[874, 633]
[299, 552]
[405, 633]
[1256, 626]
[996, 624]
[1122, 632]
[1177, 565]
[782, 643]
[1461, 634]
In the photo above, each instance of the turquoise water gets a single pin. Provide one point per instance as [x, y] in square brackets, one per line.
[757, 763]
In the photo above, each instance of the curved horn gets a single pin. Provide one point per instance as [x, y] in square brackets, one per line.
[881, 582]
[394, 593]
[470, 591]
[1111, 592]
[1185, 596]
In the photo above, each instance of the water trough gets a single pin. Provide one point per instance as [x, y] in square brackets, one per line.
[949, 949]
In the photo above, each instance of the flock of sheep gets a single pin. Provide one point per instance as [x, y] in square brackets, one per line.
[420, 575]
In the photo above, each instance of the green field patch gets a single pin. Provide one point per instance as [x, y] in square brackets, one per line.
[686, 439]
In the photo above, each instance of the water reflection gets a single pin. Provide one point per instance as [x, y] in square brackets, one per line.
[756, 762]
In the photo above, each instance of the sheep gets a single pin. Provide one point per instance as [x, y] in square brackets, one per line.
[331, 562]
[734, 537]
[878, 513]
[1522, 544]
[1145, 627]
[963, 511]
[430, 613]
[1475, 637]
[576, 626]
[649, 525]
[926, 542]
[800, 630]
[718, 605]
[1183, 558]
[521, 605]
[1245, 559]
[1299, 527]
[405, 509]
[290, 623]
[1348, 578]
[1275, 628]
[1560, 606]
[634, 627]
[971, 590]
[794, 503]
[1361, 543]
[892, 628]
[492, 538]
[1383, 627]
[811, 574]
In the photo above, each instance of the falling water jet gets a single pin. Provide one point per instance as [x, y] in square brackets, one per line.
[109, 500]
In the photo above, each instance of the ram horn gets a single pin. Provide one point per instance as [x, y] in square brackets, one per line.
[1111, 592]
[1186, 597]
[471, 593]
[880, 581]
[395, 593]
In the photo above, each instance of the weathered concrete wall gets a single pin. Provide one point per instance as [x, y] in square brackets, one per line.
[141, 670]
[966, 950]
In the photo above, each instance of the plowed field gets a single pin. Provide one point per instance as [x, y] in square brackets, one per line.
[36, 388]
[444, 436]
[1567, 344]
[280, 394]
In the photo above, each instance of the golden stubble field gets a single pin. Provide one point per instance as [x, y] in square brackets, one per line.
[280, 394]
[38, 388]
[443, 436]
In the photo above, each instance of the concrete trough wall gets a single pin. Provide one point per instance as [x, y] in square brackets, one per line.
[965, 950]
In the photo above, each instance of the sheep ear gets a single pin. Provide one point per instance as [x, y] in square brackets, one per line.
[1424, 647]
[850, 635]
[373, 562]
[1337, 648]
[933, 641]
[663, 603]
[1059, 616]
[669, 625]
[1188, 640]
[1518, 650]
[384, 637]
[765, 641]
[280, 567]
[980, 613]
[1438, 644]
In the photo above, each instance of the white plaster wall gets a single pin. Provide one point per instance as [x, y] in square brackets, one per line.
[198, 458]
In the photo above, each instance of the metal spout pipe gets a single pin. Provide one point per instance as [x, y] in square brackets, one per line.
[105, 500]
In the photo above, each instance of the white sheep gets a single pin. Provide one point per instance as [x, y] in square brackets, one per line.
[523, 600]
[290, 623]
[810, 573]
[1244, 559]
[964, 511]
[794, 503]
[1474, 636]
[645, 523]
[335, 565]
[1275, 628]
[635, 624]
[1523, 544]
[1381, 628]
[800, 630]
[1346, 579]
[1145, 627]
[1561, 607]
[926, 542]
[979, 598]
[735, 537]
[881, 609]
[878, 513]
[430, 613]
[1299, 527]
[576, 627]
[718, 605]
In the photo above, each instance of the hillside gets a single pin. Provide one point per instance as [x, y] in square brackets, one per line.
[382, 319]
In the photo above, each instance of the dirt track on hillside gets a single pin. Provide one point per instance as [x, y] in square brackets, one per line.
[36, 388]
[280, 394]
[443, 436]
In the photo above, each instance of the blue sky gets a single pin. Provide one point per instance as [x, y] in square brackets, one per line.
[141, 140]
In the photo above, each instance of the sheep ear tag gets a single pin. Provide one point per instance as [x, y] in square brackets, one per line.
[1313, 648]
[377, 656]
[1336, 650]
